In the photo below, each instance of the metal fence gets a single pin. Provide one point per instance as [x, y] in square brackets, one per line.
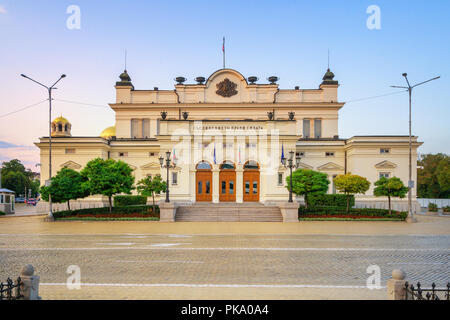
[433, 293]
[439, 202]
[11, 290]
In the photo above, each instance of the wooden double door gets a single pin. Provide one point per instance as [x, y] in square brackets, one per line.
[227, 186]
[203, 185]
[251, 186]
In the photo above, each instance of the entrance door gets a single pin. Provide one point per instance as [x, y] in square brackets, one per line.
[251, 182]
[203, 182]
[227, 186]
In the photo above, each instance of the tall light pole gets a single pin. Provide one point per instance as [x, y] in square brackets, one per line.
[291, 165]
[170, 164]
[410, 182]
[49, 89]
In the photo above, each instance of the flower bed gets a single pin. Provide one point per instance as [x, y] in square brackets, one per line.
[355, 213]
[118, 213]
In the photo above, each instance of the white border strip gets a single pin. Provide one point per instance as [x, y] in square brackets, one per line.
[223, 249]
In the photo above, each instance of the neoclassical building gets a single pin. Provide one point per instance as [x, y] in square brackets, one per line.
[227, 135]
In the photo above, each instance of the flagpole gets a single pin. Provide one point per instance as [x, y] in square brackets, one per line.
[223, 52]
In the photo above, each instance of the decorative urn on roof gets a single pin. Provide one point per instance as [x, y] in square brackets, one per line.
[273, 79]
[125, 79]
[328, 78]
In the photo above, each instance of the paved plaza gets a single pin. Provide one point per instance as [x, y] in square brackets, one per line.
[152, 260]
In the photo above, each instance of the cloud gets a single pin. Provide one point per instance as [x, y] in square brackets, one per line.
[2, 10]
[28, 155]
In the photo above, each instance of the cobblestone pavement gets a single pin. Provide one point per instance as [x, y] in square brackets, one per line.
[223, 266]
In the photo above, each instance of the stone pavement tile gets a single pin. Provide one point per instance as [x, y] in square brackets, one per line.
[50, 292]
[435, 225]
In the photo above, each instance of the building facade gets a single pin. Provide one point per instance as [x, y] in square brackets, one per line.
[227, 135]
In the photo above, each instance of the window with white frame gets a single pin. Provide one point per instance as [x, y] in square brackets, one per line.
[385, 150]
[385, 175]
[174, 178]
[280, 178]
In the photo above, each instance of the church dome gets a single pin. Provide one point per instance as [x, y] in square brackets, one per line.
[61, 127]
[108, 132]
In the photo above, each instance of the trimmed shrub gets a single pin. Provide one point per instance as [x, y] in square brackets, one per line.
[330, 200]
[446, 209]
[2, 213]
[129, 200]
[432, 207]
[341, 211]
[145, 210]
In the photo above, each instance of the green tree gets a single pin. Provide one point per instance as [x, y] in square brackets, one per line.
[16, 177]
[351, 184]
[149, 187]
[108, 177]
[306, 182]
[65, 186]
[431, 167]
[390, 187]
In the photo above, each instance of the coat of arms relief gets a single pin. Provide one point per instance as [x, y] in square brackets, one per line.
[226, 88]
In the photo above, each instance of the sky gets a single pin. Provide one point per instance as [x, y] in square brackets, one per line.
[166, 39]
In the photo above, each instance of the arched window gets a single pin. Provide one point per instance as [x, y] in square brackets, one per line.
[60, 127]
[65, 127]
[251, 165]
[203, 166]
[227, 165]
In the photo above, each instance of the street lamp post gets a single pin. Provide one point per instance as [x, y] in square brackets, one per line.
[290, 164]
[49, 89]
[410, 182]
[170, 164]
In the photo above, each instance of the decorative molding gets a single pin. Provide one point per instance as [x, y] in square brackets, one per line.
[151, 165]
[71, 165]
[305, 166]
[386, 164]
[226, 88]
[330, 166]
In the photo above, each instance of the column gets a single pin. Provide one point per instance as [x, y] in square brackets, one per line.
[239, 184]
[215, 184]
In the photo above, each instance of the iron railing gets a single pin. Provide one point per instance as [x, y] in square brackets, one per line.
[433, 293]
[11, 290]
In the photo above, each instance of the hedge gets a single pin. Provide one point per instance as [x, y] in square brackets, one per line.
[333, 200]
[147, 210]
[330, 211]
[2, 213]
[432, 207]
[129, 200]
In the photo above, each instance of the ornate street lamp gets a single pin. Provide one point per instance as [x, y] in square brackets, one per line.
[290, 164]
[170, 164]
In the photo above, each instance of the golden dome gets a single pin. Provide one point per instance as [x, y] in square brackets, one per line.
[108, 132]
[61, 119]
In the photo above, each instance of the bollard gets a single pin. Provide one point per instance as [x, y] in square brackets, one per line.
[30, 283]
[396, 285]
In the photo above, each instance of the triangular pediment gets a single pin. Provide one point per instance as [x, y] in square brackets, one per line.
[303, 165]
[71, 165]
[330, 166]
[151, 166]
[385, 165]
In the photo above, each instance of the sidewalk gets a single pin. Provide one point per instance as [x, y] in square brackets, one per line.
[426, 225]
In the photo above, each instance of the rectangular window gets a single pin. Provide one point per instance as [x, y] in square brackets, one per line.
[123, 154]
[385, 150]
[306, 127]
[146, 128]
[208, 187]
[224, 187]
[247, 187]
[255, 187]
[199, 188]
[151, 154]
[175, 178]
[317, 128]
[70, 151]
[1, 198]
[384, 174]
[280, 179]
[329, 154]
[300, 154]
[231, 187]
[136, 128]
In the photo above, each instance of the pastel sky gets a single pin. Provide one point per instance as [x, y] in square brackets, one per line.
[165, 39]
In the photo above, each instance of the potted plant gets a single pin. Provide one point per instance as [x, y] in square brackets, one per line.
[446, 210]
[432, 209]
[164, 115]
[185, 115]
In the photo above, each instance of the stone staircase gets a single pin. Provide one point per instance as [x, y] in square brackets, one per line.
[232, 212]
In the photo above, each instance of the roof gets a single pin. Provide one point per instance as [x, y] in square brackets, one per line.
[3, 190]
